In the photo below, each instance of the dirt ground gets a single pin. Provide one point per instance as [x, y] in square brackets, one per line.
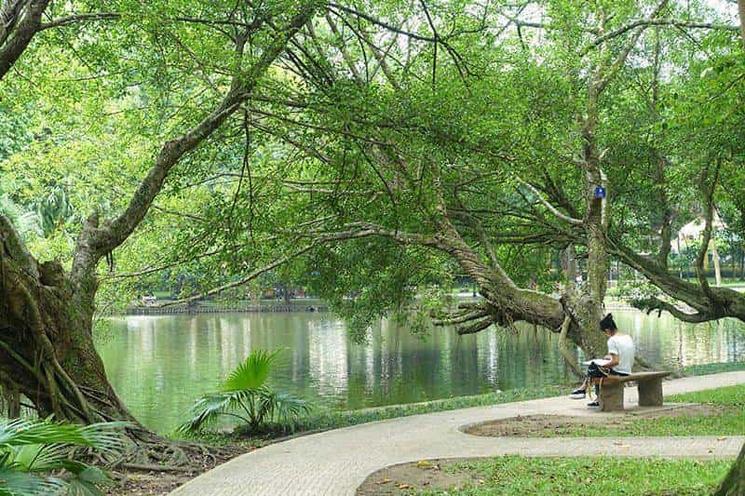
[137, 482]
[410, 478]
[556, 425]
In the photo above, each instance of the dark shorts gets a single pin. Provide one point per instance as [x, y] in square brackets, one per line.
[595, 371]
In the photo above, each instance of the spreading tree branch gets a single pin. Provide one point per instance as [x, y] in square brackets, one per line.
[654, 22]
[547, 204]
[708, 220]
[19, 22]
[95, 241]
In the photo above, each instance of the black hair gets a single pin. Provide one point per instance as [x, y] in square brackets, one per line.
[608, 324]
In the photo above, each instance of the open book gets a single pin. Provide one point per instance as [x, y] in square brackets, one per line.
[600, 362]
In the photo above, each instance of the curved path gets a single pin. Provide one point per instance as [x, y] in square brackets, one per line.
[336, 462]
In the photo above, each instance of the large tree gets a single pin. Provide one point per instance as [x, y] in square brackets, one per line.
[492, 146]
[493, 142]
[46, 312]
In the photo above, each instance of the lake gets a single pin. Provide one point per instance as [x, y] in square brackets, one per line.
[160, 364]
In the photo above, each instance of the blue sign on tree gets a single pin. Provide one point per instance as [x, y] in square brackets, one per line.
[599, 192]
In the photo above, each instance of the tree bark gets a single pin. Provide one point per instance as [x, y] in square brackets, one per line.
[20, 20]
[46, 343]
[734, 483]
[569, 264]
[715, 259]
[506, 303]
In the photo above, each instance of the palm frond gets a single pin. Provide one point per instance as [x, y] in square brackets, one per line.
[29, 222]
[31, 447]
[286, 409]
[252, 373]
[84, 479]
[104, 436]
[245, 395]
[39, 457]
[25, 222]
[17, 483]
[209, 408]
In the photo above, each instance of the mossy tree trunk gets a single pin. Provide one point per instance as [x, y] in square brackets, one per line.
[734, 483]
[46, 342]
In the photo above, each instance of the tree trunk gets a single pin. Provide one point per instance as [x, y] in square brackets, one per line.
[734, 483]
[715, 259]
[46, 343]
[569, 263]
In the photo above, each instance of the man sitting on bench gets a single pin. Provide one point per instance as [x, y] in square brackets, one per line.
[618, 361]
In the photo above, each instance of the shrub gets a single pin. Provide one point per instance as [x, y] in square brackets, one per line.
[246, 396]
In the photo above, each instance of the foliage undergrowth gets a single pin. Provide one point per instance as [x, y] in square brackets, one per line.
[39, 457]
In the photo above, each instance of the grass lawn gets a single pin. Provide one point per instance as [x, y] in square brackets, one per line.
[719, 412]
[713, 368]
[730, 421]
[512, 475]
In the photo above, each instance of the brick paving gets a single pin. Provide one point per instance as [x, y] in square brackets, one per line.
[336, 462]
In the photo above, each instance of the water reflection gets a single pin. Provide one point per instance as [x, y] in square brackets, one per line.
[159, 365]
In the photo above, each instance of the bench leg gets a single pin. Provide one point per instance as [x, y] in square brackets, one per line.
[611, 397]
[650, 393]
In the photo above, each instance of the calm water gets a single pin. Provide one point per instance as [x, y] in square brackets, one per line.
[159, 365]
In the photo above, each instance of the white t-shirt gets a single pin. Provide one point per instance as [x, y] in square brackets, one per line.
[623, 346]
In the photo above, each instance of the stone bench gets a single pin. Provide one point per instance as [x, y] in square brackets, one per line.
[649, 384]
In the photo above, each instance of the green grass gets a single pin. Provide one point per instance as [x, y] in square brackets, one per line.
[725, 396]
[729, 422]
[713, 368]
[511, 475]
[333, 419]
[727, 282]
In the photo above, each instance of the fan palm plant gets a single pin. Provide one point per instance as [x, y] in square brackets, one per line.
[246, 396]
[36, 457]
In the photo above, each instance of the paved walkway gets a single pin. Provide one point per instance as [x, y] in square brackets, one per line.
[336, 462]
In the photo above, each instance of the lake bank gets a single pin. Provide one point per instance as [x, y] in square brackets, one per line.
[276, 306]
[161, 364]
